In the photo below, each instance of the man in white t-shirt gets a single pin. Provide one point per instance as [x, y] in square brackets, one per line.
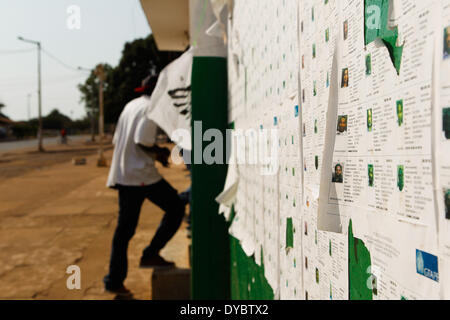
[134, 175]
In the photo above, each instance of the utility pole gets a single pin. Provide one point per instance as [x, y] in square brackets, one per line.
[100, 73]
[90, 113]
[39, 134]
[92, 120]
[28, 106]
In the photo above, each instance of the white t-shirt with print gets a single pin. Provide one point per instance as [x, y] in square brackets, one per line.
[131, 165]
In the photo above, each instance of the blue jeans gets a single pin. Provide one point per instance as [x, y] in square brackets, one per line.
[130, 202]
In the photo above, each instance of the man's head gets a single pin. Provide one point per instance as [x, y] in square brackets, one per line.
[345, 78]
[446, 122]
[345, 30]
[342, 124]
[447, 201]
[147, 85]
[338, 170]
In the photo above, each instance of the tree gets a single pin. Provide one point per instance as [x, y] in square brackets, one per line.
[56, 121]
[2, 105]
[140, 58]
[89, 90]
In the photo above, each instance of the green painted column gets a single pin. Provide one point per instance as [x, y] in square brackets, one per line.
[210, 241]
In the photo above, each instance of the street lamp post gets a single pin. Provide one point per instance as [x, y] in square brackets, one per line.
[100, 73]
[28, 106]
[101, 76]
[90, 113]
[39, 134]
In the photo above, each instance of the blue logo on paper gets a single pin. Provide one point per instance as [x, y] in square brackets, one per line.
[275, 121]
[427, 265]
[296, 111]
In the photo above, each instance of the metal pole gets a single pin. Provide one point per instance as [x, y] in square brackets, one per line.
[91, 114]
[100, 72]
[40, 147]
[39, 133]
[92, 119]
[28, 106]
[101, 122]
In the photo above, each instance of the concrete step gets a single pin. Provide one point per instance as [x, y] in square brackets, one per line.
[171, 284]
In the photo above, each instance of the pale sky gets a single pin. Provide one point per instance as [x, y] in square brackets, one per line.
[105, 27]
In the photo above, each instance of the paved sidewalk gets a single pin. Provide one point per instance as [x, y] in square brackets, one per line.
[61, 215]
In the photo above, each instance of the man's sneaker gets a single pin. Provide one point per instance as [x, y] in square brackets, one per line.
[122, 291]
[156, 262]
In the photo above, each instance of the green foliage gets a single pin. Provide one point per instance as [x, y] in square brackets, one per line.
[90, 89]
[24, 129]
[2, 105]
[139, 58]
[56, 121]
[81, 125]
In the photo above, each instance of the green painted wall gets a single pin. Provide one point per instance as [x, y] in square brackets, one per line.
[220, 268]
[247, 278]
[359, 262]
[210, 240]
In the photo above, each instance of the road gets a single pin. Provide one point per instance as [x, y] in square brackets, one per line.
[24, 144]
[54, 215]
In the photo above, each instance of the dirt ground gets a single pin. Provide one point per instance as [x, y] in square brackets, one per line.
[54, 214]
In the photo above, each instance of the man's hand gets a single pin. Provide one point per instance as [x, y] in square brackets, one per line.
[163, 156]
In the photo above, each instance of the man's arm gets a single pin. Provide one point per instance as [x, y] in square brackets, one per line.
[162, 154]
